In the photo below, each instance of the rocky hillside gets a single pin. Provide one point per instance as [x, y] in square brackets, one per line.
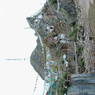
[66, 40]
[50, 26]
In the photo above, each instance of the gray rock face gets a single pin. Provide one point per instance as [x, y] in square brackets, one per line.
[83, 84]
[37, 60]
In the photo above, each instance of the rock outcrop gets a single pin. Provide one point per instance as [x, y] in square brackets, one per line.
[51, 27]
[66, 41]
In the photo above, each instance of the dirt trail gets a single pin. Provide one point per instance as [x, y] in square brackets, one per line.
[85, 5]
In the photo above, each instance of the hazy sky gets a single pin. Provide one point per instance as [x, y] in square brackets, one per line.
[15, 40]
[17, 78]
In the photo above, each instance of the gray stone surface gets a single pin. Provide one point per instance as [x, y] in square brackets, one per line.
[83, 84]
